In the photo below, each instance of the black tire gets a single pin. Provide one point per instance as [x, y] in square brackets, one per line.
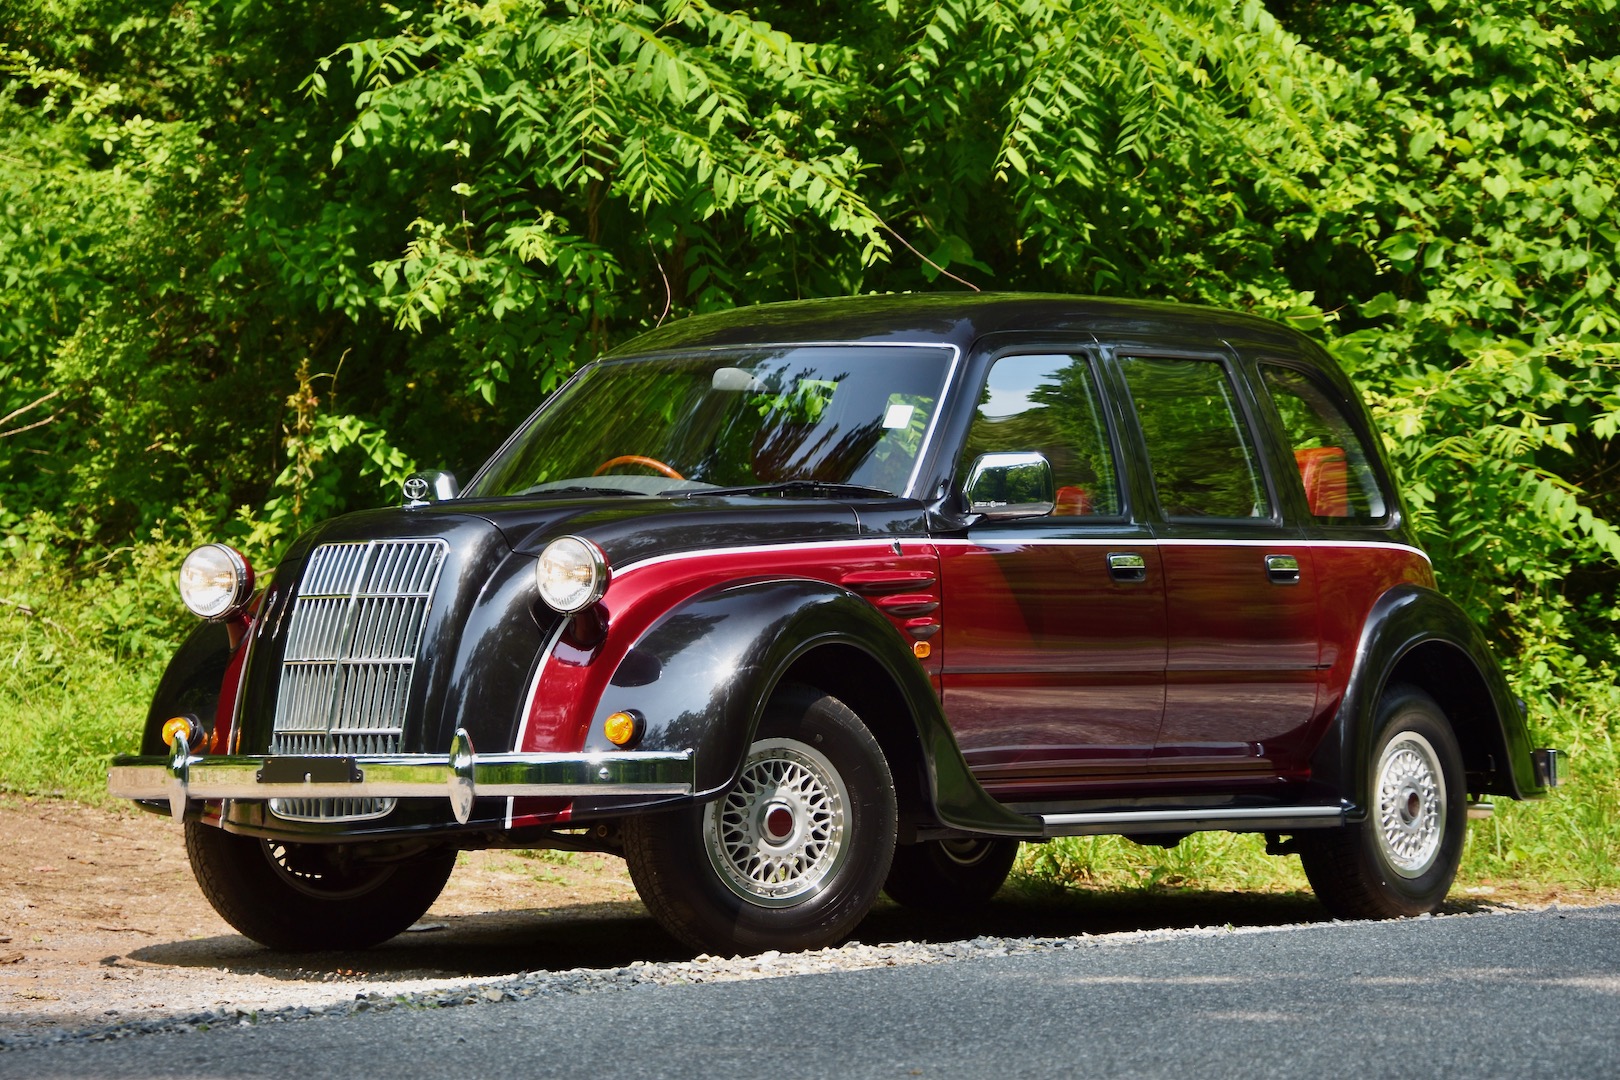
[1402, 858]
[949, 875]
[300, 897]
[793, 856]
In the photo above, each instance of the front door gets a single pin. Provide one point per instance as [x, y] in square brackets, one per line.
[1054, 640]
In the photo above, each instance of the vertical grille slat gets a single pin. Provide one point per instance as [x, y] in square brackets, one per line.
[352, 641]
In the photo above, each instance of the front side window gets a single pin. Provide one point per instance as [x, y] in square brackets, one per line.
[1200, 450]
[844, 414]
[1049, 404]
[1335, 472]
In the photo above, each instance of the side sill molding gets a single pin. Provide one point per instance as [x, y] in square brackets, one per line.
[1233, 819]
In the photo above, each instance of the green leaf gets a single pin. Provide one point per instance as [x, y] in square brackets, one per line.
[1384, 303]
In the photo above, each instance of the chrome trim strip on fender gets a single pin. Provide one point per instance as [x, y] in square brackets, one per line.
[875, 543]
[460, 776]
[1003, 541]
[528, 698]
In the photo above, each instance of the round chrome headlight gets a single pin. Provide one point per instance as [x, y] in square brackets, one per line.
[572, 574]
[215, 581]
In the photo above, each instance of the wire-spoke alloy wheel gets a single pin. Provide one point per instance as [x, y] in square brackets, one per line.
[309, 871]
[1400, 859]
[793, 854]
[949, 875]
[1411, 793]
[779, 833]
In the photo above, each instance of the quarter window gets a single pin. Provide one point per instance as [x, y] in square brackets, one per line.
[1048, 403]
[1334, 468]
[1199, 447]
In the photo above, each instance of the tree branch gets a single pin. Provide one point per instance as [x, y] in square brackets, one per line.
[36, 403]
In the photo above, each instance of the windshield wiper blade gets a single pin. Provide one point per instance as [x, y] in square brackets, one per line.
[791, 487]
[570, 489]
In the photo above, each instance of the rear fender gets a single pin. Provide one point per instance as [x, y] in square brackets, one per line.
[1415, 635]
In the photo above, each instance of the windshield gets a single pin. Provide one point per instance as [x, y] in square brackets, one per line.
[824, 414]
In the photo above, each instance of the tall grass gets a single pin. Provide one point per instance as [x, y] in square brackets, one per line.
[80, 656]
[1204, 861]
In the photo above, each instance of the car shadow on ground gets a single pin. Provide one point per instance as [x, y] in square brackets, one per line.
[615, 934]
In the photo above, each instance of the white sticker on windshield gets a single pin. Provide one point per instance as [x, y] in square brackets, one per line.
[898, 416]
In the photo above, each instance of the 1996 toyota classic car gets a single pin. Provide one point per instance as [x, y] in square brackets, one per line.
[791, 605]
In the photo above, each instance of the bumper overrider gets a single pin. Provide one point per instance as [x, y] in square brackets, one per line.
[461, 775]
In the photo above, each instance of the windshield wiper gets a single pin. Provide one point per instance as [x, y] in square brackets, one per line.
[547, 489]
[791, 487]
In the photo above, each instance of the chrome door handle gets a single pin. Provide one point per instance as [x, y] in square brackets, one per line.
[1282, 569]
[1127, 566]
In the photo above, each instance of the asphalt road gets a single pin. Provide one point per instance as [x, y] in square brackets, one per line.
[1520, 995]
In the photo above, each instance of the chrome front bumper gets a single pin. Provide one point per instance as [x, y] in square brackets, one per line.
[460, 776]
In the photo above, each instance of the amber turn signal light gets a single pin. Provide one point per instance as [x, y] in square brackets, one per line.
[179, 725]
[622, 728]
[921, 649]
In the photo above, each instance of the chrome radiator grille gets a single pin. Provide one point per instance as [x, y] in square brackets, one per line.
[352, 642]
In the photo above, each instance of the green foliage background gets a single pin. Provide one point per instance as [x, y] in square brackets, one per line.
[258, 260]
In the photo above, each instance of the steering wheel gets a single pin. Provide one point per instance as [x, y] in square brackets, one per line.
[638, 459]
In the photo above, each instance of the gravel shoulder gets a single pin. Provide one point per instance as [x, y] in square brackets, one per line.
[103, 932]
[101, 923]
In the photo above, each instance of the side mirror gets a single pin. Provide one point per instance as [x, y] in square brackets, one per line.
[1016, 485]
[430, 486]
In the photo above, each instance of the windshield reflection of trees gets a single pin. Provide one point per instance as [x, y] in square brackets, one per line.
[836, 415]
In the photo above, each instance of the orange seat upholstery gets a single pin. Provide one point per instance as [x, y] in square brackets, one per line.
[1326, 475]
[1072, 501]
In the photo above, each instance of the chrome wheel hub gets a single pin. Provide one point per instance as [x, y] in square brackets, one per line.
[779, 833]
[1411, 804]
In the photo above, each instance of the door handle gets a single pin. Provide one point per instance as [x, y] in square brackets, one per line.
[1127, 566]
[1282, 569]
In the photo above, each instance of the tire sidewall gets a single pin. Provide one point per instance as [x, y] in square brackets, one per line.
[1408, 710]
[710, 915]
[929, 875]
[261, 900]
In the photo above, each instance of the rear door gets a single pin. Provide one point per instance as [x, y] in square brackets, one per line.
[1242, 657]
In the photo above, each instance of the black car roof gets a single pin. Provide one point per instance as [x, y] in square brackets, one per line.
[961, 319]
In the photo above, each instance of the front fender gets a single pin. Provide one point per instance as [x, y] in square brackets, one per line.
[701, 676]
[1414, 634]
[192, 684]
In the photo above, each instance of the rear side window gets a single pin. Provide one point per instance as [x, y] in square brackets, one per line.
[1049, 404]
[1335, 470]
[1200, 450]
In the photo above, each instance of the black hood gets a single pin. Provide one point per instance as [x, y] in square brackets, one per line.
[632, 528]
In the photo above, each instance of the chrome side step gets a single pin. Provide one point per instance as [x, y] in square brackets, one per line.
[1233, 819]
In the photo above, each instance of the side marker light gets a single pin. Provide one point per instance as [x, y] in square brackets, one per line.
[622, 728]
[922, 649]
[179, 725]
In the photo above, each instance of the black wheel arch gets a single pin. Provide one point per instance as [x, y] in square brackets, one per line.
[1416, 636]
[701, 676]
[192, 684]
